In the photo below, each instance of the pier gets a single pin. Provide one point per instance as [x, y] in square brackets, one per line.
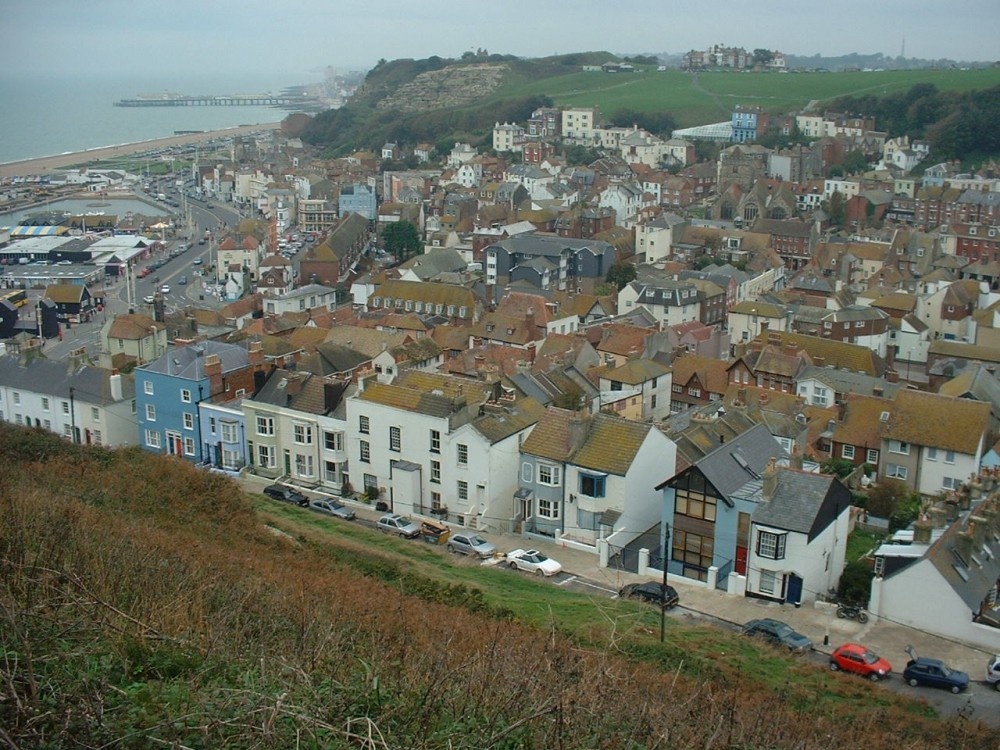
[223, 100]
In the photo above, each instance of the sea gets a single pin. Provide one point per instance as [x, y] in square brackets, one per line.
[47, 116]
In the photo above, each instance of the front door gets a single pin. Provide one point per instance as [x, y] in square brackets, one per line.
[794, 589]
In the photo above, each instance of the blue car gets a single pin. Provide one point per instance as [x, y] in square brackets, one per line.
[934, 673]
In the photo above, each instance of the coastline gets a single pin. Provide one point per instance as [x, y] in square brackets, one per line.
[45, 164]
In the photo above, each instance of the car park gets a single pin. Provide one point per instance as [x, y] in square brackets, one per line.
[934, 673]
[856, 659]
[653, 592]
[332, 508]
[993, 671]
[778, 633]
[533, 561]
[396, 524]
[286, 494]
[471, 544]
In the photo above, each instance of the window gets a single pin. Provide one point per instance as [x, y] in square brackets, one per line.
[394, 439]
[211, 425]
[768, 581]
[436, 500]
[229, 432]
[616, 385]
[463, 490]
[150, 413]
[463, 454]
[303, 434]
[188, 421]
[185, 395]
[366, 455]
[548, 474]
[17, 398]
[265, 456]
[949, 457]
[435, 441]
[98, 440]
[771, 546]
[95, 414]
[265, 425]
[693, 501]
[895, 471]
[152, 438]
[364, 424]
[45, 404]
[231, 459]
[897, 446]
[147, 387]
[847, 452]
[333, 441]
[592, 485]
[871, 457]
[693, 550]
[436, 472]
[548, 508]
[951, 483]
[188, 446]
[303, 465]
[932, 454]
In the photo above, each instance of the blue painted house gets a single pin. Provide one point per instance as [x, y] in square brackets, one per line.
[170, 389]
[223, 434]
[747, 122]
[358, 199]
[707, 517]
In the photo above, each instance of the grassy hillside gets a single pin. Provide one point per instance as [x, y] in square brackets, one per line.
[711, 97]
[144, 603]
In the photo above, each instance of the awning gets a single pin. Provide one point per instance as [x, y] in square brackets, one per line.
[30, 231]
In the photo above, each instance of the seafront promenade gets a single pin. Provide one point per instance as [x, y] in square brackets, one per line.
[62, 161]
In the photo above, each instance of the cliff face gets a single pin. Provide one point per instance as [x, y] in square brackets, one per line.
[450, 87]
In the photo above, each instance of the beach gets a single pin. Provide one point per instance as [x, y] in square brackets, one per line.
[63, 161]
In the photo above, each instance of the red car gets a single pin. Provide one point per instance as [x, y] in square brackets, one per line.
[853, 657]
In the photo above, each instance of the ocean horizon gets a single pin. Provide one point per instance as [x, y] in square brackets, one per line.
[48, 116]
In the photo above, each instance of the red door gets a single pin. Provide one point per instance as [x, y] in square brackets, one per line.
[741, 560]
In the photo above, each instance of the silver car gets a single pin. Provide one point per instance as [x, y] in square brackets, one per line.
[396, 524]
[471, 544]
[332, 508]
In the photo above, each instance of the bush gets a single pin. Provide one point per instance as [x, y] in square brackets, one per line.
[855, 582]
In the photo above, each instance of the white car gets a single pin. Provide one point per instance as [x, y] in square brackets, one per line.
[148, 299]
[165, 289]
[395, 524]
[533, 561]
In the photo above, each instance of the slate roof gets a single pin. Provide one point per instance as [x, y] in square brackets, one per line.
[977, 383]
[842, 381]
[528, 245]
[50, 377]
[978, 579]
[797, 500]
[738, 461]
[188, 362]
[301, 391]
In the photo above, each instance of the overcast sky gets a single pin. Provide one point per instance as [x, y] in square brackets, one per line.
[299, 38]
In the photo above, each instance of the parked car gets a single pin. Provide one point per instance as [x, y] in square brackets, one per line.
[993, 671]
[148, 299]
[778, 633]
[653, 592]
[332, 508]
[934, 673]
[396, 524]
[533, 561]
[198, 261]
[855, 658]
[471, 544]
[165, 289]
[286, 494]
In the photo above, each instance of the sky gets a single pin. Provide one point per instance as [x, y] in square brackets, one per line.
[300, 38]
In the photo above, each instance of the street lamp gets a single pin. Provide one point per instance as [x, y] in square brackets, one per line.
[663, 587]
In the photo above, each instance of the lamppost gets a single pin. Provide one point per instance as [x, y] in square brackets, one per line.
[663, 587]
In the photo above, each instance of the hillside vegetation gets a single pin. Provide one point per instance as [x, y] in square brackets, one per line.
[145, 603]
[439, 100]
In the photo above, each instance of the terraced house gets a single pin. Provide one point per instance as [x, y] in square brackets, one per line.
[440, 445]
[457, 304]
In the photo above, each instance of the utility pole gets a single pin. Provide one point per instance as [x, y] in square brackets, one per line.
[663, 587]
[72, 414]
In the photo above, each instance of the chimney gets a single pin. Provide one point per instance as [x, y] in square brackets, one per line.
[255, 354]
[891, 376]
[819, 361]
[939, 516]
[841, 411]
[977, 528]
[922, 531]
[115, 383]
[878, 391]
[578, 425]
[963, 546]
[770, 480]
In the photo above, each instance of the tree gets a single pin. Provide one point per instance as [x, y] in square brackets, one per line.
[402, 240]
[854, 162]
[762, 56]
[840, 467]
[571, 398]
[837, 208]
[620, 274]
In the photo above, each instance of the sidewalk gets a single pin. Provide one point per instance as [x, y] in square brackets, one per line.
[817, 621]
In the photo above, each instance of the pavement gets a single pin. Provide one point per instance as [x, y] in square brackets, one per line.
[818, 620]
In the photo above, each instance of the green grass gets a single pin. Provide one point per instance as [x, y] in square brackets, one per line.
[718, 93]
[859, 543]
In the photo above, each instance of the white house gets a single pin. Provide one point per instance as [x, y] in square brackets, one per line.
[307, 297]
[798, 535]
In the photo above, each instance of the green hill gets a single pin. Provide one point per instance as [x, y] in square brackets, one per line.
[436, 99]
[146, 603]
